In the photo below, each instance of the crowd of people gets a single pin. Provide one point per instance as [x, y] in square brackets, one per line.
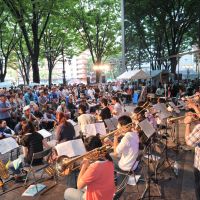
[25, 111]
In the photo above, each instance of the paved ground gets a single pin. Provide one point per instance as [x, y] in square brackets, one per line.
[172, 188]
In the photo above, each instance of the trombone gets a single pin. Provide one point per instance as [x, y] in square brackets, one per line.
[66, 165]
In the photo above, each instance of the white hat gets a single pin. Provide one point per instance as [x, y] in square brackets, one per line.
[26, 108]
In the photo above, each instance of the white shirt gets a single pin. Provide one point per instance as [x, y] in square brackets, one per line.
[85, 119]
[128, 148]
[91, 93]
[117, 109]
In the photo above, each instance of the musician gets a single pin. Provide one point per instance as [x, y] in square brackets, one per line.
[105, 112]
[98, 176]
[192, 138]
[32, 142]
[84, 118]
[65, 130]
[117, 109]
[126, 151]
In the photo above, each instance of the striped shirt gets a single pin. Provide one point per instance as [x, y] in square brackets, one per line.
[193, 140]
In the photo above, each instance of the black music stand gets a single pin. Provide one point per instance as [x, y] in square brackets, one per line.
[150, 133]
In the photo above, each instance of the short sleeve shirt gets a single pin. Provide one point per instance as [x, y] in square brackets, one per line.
[99, 179]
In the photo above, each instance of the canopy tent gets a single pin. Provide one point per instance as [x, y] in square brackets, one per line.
[134, 75]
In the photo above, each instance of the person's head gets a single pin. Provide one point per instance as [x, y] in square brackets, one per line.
[28, 127]
[115, 100]
[104, 102]
[3, 124]
[61, 117]
[23, 121]
[82, 109]
[124, 121]
[139, 113]
[63, 105]
[92, 142]
[27, 110]
[3, 97]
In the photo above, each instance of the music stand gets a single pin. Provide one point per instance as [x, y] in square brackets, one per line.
[149, 131]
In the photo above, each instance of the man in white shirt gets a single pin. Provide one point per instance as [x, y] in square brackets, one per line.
[84, 119]
[117, 109]
[126, 151]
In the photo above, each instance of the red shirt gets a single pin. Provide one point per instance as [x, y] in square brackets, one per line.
[99, 178]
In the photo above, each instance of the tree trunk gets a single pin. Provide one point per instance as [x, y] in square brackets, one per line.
[50, 76]
[173, 65]
[98, 76]
[35, 68]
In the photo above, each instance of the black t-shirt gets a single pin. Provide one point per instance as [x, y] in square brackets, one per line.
[67, 132]
[38, 114]
[33, 141]
[105, 113]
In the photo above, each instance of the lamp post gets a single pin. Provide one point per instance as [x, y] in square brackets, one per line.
[63, 59]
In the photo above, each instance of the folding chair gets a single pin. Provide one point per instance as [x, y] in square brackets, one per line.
[131, 172]
[34, 169]
[121, 188]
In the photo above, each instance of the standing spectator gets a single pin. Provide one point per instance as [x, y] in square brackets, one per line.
[5, 109]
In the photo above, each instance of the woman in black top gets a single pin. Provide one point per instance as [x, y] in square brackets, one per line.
[32, 142]
[65, 130]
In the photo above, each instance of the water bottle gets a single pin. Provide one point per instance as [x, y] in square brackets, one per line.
[176, 168]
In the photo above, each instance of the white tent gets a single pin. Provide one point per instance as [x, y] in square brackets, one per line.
[134, 75]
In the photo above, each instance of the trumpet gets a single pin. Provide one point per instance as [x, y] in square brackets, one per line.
[173, 119]
[66, 165]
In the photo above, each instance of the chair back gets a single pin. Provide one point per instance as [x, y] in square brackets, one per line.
[121, 188]
[41, 154]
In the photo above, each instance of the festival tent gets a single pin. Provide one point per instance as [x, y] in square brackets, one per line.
[134, 75]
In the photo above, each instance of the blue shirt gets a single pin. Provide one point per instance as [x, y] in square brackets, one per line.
[4, 115]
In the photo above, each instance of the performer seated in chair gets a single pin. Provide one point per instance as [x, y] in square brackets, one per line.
[98, 177]
[126, 151]
[32, 142]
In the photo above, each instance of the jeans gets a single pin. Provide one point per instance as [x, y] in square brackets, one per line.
[197, 183]
[74, 194]
[120, 177]
[71, 179]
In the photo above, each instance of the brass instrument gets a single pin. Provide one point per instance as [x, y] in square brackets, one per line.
[173, 119]
[4, 174]
[112, 133]
[51, 171]
[66, 165]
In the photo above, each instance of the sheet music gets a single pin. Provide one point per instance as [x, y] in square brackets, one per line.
[7, 145]
[77, 130]
[111, 123]
[174, 107]
[72, 122]
[163, 113]
[71, 148]
[93, 129]
[147, 128]
[44, 133]
[132, 179]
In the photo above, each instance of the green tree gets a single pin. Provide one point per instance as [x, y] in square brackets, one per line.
[97, 24]
[32, 17]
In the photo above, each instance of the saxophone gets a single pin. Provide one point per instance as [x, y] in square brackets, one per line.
[4, 174]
